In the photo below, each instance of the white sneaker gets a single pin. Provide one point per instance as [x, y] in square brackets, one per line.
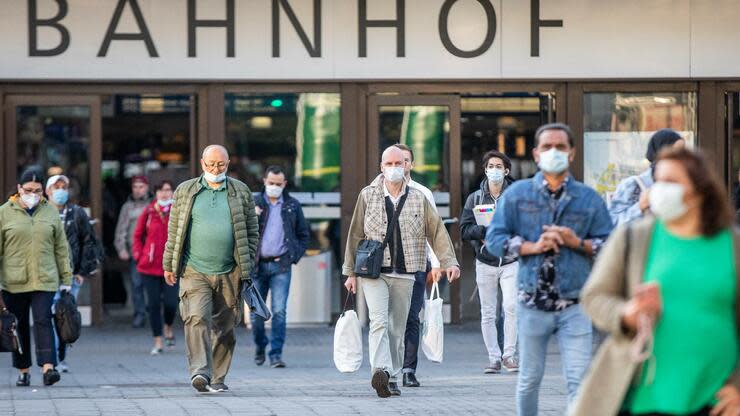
[155, 351]
[63, 367]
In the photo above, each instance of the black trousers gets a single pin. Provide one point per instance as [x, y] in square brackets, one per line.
[38, 303]
[411, 340]
[159, 294]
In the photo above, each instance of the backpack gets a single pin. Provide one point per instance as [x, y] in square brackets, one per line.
[67, 318]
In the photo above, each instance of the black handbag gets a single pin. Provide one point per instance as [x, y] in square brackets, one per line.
[369, 255]
[9, 341]
[67, 318]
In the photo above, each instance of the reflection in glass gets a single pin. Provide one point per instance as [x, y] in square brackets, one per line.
[618, 126]
[57, 139]
[426, 130]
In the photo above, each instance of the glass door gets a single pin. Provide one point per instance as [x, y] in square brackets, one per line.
[430, 126]
[61, 135]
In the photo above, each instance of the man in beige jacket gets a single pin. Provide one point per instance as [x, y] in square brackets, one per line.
[388, 297]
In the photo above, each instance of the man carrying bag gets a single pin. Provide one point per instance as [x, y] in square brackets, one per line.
[392, 222]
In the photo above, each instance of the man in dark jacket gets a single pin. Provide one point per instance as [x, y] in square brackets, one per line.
[83, 244]
[492, 272]
[284, 237]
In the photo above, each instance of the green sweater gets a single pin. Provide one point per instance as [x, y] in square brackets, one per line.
[34, 253]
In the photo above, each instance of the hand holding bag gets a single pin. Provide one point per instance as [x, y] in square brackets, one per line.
[254, 300]
[9, 341]
[348, 341]
[369, 254]
[432, 340]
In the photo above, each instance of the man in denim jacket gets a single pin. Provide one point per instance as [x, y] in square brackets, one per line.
[556, 225]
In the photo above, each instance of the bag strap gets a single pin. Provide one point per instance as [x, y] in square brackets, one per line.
[346, 302]
[394, 220]
[435, 288]
[627, 249]
[2, 304]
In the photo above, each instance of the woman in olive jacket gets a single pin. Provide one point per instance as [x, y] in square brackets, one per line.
[34, 264]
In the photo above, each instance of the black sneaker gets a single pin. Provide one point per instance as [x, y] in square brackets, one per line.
[380, 383]
[219, 387]
[393, 387]
[201, 383]
[259, 357]
[51, 376]
[409, 380]
[277, 362]
[24, 380]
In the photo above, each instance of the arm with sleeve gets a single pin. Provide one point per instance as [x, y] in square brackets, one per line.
[356, 234]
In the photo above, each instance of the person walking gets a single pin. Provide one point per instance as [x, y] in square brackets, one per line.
[284, 237]
[124, 235]
[83, 246]
[411, 338]
[665, 288]
[492, 272]
[556, 226]
[149, 240]
[211, 245]
[35, 263]
[388, 296]
[630, 199]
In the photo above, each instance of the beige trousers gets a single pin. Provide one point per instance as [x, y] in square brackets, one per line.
[210, 308]
[388, 301]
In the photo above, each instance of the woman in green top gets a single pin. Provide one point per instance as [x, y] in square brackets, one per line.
[666, 290]
[34, 263]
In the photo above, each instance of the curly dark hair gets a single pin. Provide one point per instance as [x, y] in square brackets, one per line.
[716, 213]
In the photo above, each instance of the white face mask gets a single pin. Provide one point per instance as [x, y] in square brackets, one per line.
[164, 202]
[394, 174]
[273, 191]
[553, 161]
[666, 201]
[495, 175]
[30, 200]
[215, 178]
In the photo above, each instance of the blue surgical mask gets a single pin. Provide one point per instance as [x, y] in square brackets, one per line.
[215, 178]
[553, 161]
[60, 196]
[394, 174]
[495, 175]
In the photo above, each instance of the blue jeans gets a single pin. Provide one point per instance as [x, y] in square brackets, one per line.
[137, 291]
[573, 330]
[273, 278]
[61, 348]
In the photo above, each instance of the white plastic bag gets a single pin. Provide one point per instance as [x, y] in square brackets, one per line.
[432, 340]
[348, 343]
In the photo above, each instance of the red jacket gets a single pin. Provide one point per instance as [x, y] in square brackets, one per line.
[150, 237]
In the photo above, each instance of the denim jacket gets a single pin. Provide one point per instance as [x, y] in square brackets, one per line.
[526, 207]
[295, 227]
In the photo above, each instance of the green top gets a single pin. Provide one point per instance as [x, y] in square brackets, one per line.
[210, 245]
[696, 345]
[34, 253]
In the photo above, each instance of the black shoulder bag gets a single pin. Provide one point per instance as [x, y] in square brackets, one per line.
[8, 331]
[369, 255]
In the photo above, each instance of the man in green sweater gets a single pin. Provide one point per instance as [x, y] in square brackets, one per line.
[211, 246]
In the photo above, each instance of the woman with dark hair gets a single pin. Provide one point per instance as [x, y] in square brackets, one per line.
[35, 263]
[149, 240]
[492, 272]
[665, 288]
[630, 199]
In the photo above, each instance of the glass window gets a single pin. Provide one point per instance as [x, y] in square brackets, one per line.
[617, 128]
[57, 139]
[300, 132]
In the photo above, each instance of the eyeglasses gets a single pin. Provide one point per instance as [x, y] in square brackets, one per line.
[212, 165]
[33, 191]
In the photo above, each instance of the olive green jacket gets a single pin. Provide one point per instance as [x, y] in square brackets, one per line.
[243, 217]
[34, 252]
[618, 271]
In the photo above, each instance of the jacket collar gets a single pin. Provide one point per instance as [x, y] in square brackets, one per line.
[484, 186]
[539, 184]
[14, 200]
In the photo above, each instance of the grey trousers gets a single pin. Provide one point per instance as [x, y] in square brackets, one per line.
[210, 307]
[388, 300]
